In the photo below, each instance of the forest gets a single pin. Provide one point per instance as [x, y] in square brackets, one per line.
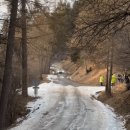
[34, 34]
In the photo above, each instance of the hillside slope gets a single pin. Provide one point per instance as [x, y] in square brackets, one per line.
[120, 99]
[78, 73]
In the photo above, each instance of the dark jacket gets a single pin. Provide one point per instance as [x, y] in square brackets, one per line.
[127, 80]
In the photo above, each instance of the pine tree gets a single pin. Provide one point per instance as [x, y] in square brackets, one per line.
[7, 78]
[24, 50]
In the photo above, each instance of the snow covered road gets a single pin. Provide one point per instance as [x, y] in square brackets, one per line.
[68, 108]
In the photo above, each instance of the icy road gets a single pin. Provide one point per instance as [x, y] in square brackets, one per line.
[66, 107]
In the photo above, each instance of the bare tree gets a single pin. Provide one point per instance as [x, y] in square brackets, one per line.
[109, 71]
[7, 81]
[99, 19]
[24, 50]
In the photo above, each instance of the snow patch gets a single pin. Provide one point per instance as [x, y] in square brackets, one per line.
[49, 94]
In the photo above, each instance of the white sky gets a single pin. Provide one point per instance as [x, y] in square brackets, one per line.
[3, 11]
[3, 7]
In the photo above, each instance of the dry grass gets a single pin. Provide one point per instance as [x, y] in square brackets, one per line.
[21, 103]
[18, 108]
[120, 101]
[44, 78]
[91, 78]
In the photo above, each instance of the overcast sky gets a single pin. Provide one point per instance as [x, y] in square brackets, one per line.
[3, 11]
[3, 8]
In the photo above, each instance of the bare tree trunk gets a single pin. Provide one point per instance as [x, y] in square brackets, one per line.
[85, 64]
[7, 78]
[47, 64]
[111, 69]
[24, 50]
[41, 64]
[107, 74]
[42, 70]
[46, 71]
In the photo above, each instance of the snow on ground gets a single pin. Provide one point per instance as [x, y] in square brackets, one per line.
[41, 105]
[91, 90]
[52, 77]
[111, 119]
[50, 93]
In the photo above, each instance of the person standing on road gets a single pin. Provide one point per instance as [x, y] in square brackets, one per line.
[101, 80]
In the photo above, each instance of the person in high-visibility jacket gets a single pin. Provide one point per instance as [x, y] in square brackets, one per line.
[113, 79]
[101, 80]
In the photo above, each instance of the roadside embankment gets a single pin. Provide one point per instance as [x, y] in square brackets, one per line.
[120, 101]
[78, 73]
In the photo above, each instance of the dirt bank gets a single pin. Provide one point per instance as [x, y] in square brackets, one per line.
[78, 73]
[120, 101]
